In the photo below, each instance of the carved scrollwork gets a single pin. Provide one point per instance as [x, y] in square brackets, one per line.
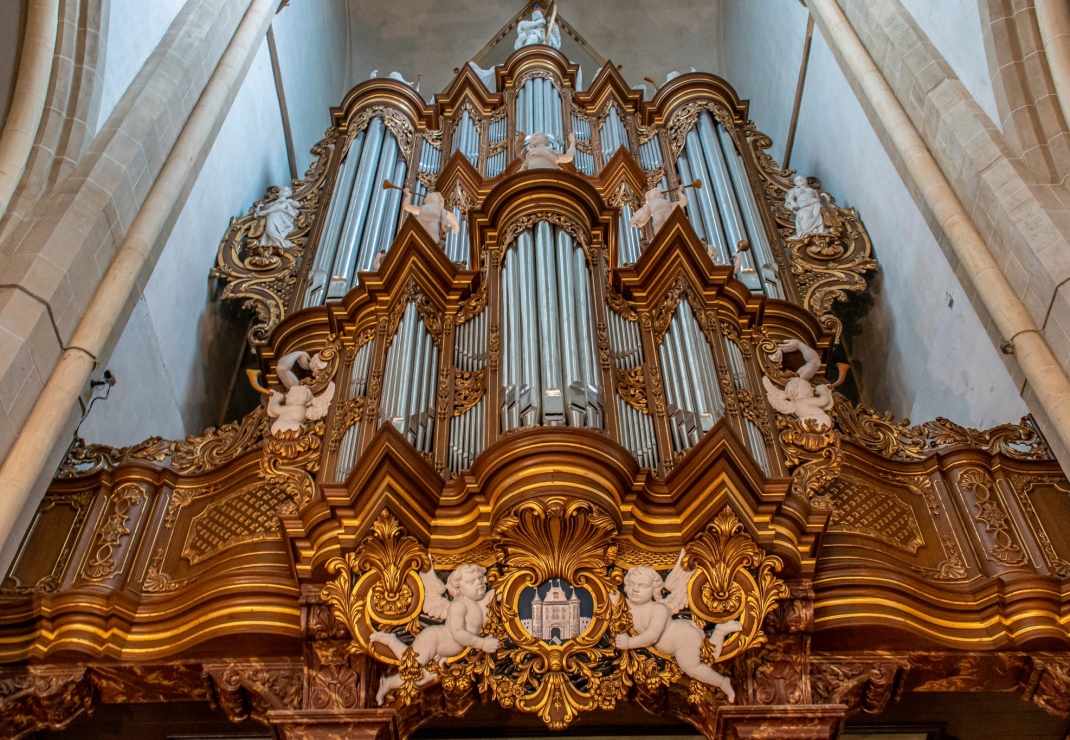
[620, 305]
[991, 513]
[898, 440]
[34, 698]
[398, 124]
[667, 308]
[861, 685]
[251, 688]
[519, 225]
[683, 120]
[1048, 684]
[348, 413]
[113, 530]
[734, 579]
[468, 387]
[263, 276]
[631, 387]
[1023, 486]
[952, 568]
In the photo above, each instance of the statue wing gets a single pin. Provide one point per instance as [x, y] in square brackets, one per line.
[778, 399]
[436, 603]
[676, 585]
[321, 403]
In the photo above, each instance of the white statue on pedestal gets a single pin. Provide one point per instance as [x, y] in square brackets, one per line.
[299, 404]
[806, 203]
[657, 208]
[432, 215]
[652, 620]
[534, 31]
[541, 155]
[279, 216]
[463, 617]
[799, 398]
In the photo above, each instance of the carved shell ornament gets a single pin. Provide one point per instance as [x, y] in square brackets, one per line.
[553, 624]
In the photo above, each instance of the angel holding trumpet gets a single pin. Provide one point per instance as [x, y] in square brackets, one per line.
[658, 207]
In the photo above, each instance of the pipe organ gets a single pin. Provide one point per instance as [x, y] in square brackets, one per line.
[502, 388]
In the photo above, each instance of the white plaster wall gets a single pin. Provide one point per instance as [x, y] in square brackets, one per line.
[917, 357]
[312, 39]
[134, 28]
[954, 28]
[174, 361]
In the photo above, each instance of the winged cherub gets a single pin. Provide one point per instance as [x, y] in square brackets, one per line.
[799, 397]
[652, 619]
[541, 155]
[299, 403]
[432, 215]
[657, 208]
[463, 617]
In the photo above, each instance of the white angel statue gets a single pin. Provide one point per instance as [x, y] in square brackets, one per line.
[279, 216]
[432, 215]
[299, 404]
[657, 208]
[534, 31]
[463, 617]
[541, 155]
[806, 202]
[800, 398]
[652, 619]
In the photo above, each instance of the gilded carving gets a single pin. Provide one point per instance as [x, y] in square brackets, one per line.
[622, 307]
[518, 226]
[113, 530]
[1048, 684]
[631, 387]
[859, 508]
[251, 688]
[468, 388]
[348, 413]
[952, 568]
[991, 513]
[250, 514]
[882, 434]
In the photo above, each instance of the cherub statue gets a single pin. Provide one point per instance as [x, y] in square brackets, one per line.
[806, 203]
[541, 155]
[291, 410]
[279, 216]
[799, 397]
[657, 208]
[463, 617]
[652, 619]
[534, 31]
[432, 215]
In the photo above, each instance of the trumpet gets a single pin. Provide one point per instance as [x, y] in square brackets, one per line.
[697, 185]
[387, 185]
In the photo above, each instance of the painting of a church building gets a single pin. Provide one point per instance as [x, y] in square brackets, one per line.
[555, 613]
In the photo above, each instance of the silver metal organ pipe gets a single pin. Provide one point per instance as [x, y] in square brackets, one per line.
[703, 370]
[356, 216]
[530, 345]
[759, 239]
[586, 340]
[566, 290]
[369, 243]
[581, 128]
[628, 253]
[392, 373]
[692, 207]
[672, 394]
[704, 198]
[411, 384]
[549, 326]
[358, 386]
[725, 193]
[328, 240]
[390, 216]
[557, 117]
[688, 403]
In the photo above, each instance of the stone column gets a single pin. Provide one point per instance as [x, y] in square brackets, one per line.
[1046, 377]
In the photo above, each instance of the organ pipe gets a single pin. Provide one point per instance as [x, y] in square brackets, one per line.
[409, 385]
[690, 376]
[358, 387]
[549, 374]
